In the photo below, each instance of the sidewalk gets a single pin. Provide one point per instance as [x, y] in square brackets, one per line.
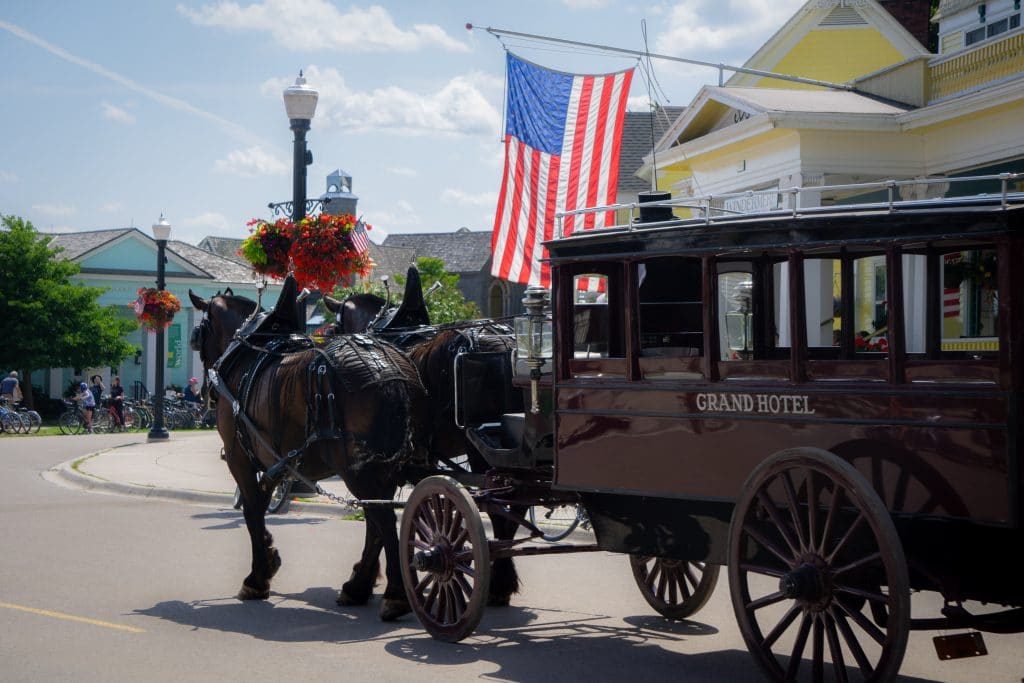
[187, 466]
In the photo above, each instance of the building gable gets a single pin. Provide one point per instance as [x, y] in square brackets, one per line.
[831, 40]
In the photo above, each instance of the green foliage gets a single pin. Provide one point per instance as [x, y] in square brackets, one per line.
[48, 320]
[444, 305]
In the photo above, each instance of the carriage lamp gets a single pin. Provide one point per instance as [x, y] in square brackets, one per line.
[300, 105]
[739, 321]
[533, 335]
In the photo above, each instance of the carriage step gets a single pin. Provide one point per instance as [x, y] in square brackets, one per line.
[960, 645]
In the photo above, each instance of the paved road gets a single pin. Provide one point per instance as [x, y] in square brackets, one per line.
[116, 588]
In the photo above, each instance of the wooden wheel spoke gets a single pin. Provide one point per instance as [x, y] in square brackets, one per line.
[794, 508]
[812, 510]
[852, 644]
[758, 569]
[427, 579]
[460, 579]
[817, 652]
[421, 545]
[422, 528]
[780, 627]
[662, 584]
[770, 599]
[780, 524]
[447, 517]
[845, 538]
[899, 496]
[834, 504]
[857, 564]
[768, 545]
[694, 581]
[798, 647]
[835, 650]
[652, 575]
[861, 593]
[862, 621]
[430, 602]
[460, 540]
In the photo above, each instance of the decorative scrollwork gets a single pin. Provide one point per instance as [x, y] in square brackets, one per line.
[312, 206]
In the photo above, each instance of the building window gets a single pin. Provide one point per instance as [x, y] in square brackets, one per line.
[975, 36]
[997, 27]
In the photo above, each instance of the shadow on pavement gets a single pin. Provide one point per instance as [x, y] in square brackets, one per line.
[232, 519]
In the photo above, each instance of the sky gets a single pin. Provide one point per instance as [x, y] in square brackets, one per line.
[116, 112]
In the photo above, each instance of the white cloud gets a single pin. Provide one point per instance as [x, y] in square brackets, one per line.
[251, 162]
[111, 207]
[117, 114]
[695, 25]
[55, 210]
[402, 218]
[585, 4]
[638, 103]
[7, 177]
[210, 220]
[457, 107]
[461, 198]
[395, 170]
[305, 25]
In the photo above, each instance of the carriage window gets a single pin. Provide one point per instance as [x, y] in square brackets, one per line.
[822, 301]
[915, 267]
[870, 306]
[590, 316]
[736, 315]
[970, 301]
[671, 310]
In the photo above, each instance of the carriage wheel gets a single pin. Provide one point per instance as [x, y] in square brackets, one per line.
[806, 565]
[446, 565]
[556, 522]
[675, 589]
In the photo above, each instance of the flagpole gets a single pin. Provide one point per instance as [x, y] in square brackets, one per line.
[638, 53]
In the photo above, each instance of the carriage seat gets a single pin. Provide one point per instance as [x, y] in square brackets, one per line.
[501, 443]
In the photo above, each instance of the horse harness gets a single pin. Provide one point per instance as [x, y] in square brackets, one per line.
[354, 361]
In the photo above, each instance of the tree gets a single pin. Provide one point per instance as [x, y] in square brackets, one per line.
[444, 305]
[50, 322]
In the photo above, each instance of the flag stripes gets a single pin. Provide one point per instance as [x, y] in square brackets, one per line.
[582, 114]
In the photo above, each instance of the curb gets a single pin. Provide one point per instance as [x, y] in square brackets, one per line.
[65, 474]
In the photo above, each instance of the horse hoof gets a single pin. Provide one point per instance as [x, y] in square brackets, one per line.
[391, 609]
[275, 561]
[250, 593]
[498, 600]
[346, 600]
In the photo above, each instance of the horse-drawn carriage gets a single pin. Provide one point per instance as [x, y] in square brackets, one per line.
[826, 402]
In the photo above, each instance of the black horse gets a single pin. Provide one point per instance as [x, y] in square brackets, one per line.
[351, 407]
[434, 351]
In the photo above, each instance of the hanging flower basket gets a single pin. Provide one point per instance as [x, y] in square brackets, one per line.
[267, 246]
[323, 253]
[155, 308]
[319, 251]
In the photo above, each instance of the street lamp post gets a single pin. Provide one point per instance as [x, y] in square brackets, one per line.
[161, 233]
[300, 105]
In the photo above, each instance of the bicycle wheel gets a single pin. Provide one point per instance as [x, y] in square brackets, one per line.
[281, 498]
[102, 422]
[35, 421]
[10, 423]
[555, 522]
[131, 422]
[70, 422]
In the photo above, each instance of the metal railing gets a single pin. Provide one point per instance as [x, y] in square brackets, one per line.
[711, 207]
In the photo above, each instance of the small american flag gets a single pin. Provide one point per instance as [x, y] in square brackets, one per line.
[359, 238]
[590, 284]
[562, 139]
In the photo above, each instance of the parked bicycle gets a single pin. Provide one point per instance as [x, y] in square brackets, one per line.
[107, 420]
[72, 420]
[11, 421]
[280, 499]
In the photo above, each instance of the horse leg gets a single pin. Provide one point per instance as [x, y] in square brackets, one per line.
[504, 577]
[359, 587]
[395, 604]
[265, 558]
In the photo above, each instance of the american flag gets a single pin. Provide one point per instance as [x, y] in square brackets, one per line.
[590, 284]
[359, 239]
[562, 140]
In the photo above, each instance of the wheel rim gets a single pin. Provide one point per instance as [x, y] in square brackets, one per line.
[811, 546]
[674, 588]
[555, 522]
[445, 558]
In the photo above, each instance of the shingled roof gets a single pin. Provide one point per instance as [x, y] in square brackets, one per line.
[391, 260]
[463, 251]
[638, 141]
[226, 247]
[75, 245]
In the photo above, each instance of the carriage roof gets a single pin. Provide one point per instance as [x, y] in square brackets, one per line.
[850, 225]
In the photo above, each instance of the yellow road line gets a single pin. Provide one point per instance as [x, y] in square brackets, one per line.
[71, 617]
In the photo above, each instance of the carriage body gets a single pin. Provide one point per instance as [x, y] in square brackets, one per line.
[718, 344]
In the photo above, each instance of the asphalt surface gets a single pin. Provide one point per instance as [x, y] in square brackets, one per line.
[186, 466]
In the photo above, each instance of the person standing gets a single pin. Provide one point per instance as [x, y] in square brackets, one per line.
[85, 395]
[10, 388]
[193, 392]
[117, 400]
[97, 389]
